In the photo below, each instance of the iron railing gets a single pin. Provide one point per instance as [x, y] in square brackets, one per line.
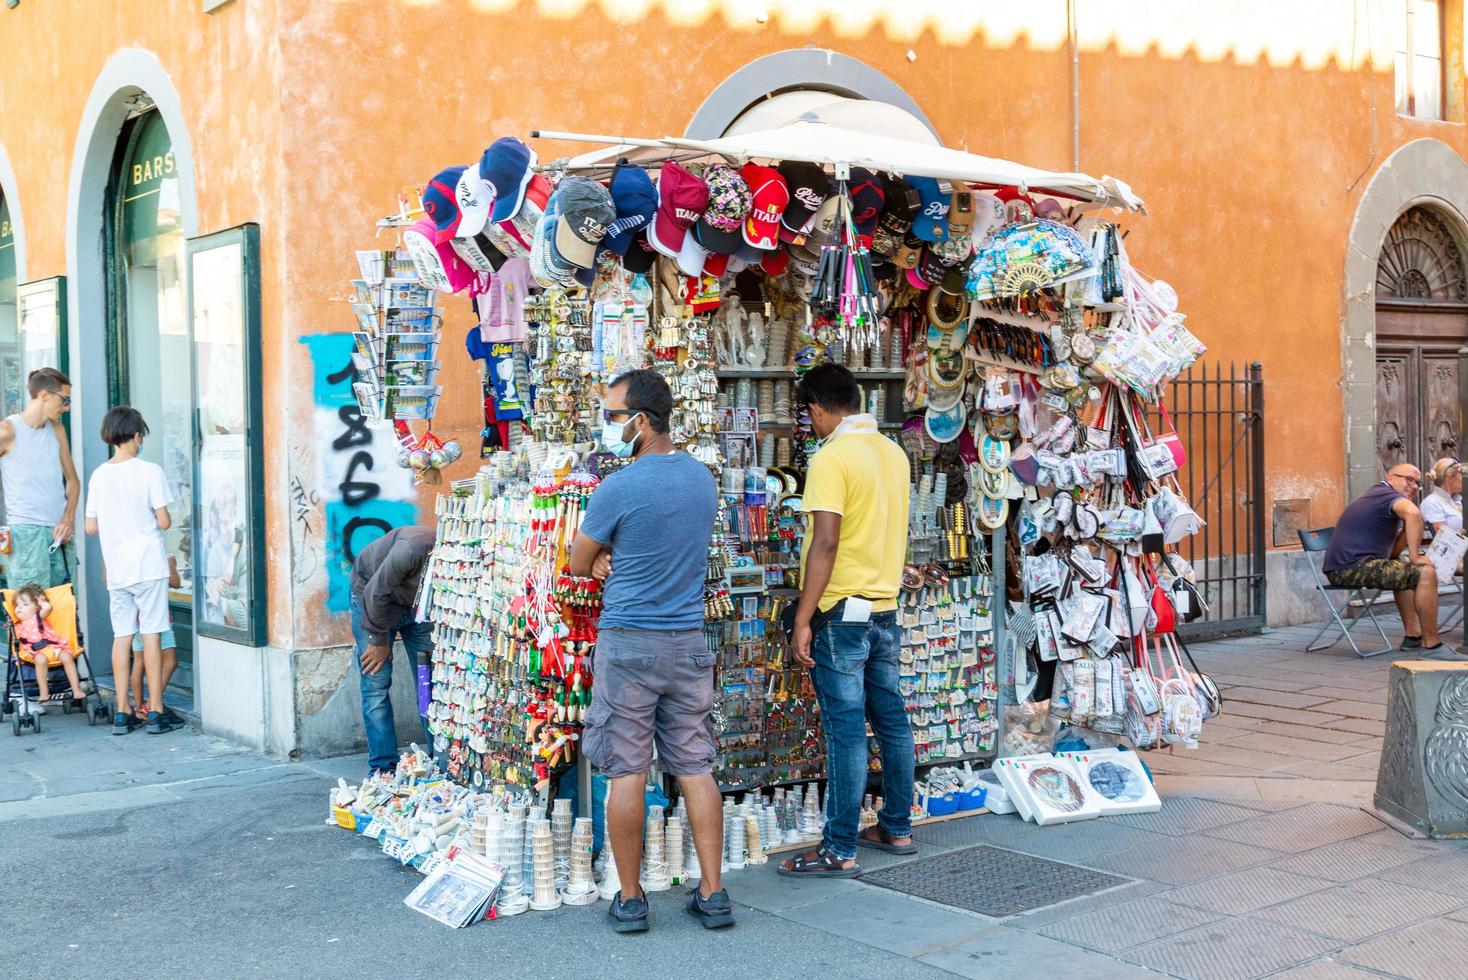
[1219, 414]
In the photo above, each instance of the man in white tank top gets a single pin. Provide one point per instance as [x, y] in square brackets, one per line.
[40, 485]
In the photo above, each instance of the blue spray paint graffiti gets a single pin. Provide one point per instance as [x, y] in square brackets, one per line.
[356, 463]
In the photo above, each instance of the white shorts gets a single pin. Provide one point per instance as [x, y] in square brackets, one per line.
[141, 608]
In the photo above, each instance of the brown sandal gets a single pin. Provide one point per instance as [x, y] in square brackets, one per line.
[883, 841]
[819, 863]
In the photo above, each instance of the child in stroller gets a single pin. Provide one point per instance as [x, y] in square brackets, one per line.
[41, 644]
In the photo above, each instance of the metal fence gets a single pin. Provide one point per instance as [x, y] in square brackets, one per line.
[1219, 414]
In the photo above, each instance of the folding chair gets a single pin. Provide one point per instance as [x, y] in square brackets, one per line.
[1456, 616]
[1317, 541]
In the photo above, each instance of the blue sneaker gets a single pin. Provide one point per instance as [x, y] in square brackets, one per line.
[715, 912]
[629, 915]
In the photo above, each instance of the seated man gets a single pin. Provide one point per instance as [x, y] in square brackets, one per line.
[1379, 524]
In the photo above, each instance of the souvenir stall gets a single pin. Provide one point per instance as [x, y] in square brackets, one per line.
[1001, 336]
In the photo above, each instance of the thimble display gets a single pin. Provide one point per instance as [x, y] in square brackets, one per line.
[766, 401]
[810, 815]
[674, 835]
[744, 393]
[534, 814]
[479, 833]
[561, 821]
[509, 854]
[753, 839]
[782, 402]
[734, 831]
[611, 882]
[767, 450]
[782, 452]
[691, 870]
[580, 889]
[654, 853]
[728, 816]
[770, 818]
[543, 897]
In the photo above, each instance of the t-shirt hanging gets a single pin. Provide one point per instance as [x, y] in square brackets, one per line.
[502, 306]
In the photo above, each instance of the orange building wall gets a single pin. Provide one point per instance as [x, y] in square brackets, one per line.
[310, 116]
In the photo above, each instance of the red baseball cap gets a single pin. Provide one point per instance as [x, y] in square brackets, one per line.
[775, 263]
[769, 196]
[682, 198]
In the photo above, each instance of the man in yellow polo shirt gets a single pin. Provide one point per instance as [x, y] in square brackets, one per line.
[856, 495]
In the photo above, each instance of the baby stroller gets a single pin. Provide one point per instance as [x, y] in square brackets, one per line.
[21, 691]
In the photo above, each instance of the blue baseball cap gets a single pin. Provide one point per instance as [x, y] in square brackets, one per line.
[635, 198]
[931, 222]
[440, 202]
[506, 168]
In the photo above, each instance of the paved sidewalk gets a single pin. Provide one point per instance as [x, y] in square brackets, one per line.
[1262, 862]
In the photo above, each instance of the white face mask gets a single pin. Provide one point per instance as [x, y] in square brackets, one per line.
[613, 439]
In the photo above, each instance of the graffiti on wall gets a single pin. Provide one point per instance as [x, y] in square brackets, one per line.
[364, 493]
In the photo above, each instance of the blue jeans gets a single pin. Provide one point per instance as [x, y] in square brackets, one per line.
[382, 733]
[856, 682]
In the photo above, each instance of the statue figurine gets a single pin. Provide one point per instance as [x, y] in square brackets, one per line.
[754, 352]
[730, 341]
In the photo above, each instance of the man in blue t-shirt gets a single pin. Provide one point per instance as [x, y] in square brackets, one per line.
[1372, 530]
[646, 534]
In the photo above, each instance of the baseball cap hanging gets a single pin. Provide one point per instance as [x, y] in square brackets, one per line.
[478, 252]
[441, 202]
[438, 266]
[682, 197]
[867, 199]
[585, 210]
[475, 202]
[516, 235]
[718, 229]
[635, 199]
[547, 265]
[931, 223]
[808, 187]
[768, 199]
[692, 257]
[640, 255]
[506, 168]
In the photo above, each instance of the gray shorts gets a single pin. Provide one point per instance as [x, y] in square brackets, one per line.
[651, 686]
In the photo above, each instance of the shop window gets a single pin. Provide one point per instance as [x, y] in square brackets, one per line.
[1419, 59]
[149, 355]
[12, 381]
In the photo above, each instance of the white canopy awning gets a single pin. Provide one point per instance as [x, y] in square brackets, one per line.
[822, 143]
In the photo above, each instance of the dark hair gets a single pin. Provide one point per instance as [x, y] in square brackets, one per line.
[33, 592]
[649, 394]
[122, 424]
[46, 379]
[830, 386]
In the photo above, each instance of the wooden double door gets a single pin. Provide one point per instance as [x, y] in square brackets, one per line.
[1419, 408]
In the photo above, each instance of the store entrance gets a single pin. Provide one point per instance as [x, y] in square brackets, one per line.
[1421, 324]
[149, 359]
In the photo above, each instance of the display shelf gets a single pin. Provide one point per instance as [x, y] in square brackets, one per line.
[869, 374]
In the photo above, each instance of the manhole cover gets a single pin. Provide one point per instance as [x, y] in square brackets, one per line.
[992, 881]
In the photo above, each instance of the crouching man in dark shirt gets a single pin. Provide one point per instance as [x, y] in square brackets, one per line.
[385, 580]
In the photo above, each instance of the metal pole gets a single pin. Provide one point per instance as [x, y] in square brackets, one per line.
[1256, 463]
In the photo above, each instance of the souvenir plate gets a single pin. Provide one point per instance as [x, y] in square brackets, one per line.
[1117, 778]
[993, 512]
[992, 484]
[1053, 790]
[993, 453]
[944, 426]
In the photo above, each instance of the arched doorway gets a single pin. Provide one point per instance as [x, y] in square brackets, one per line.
[149, 356]
[1421, 323]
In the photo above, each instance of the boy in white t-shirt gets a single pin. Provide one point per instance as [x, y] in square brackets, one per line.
[127, 504]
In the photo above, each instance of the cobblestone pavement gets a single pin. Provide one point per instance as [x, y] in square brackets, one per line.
[1264, 861]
